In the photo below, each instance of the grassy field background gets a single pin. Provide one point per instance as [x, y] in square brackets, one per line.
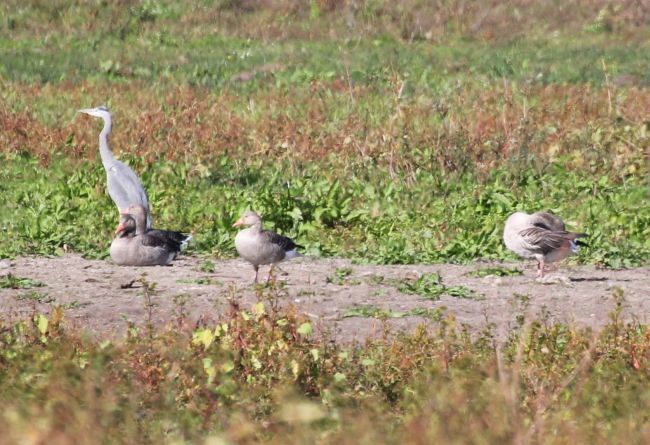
[387, 132]
[345, 132]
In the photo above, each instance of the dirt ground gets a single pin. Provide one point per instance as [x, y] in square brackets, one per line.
[94, 299]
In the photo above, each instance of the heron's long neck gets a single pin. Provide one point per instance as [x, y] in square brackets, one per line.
[140, 225]
[104, 151]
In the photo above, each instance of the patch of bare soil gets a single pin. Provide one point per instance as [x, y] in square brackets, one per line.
[101, 297]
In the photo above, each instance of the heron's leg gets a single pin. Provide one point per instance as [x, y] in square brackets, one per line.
[257, 268]
[540, 269]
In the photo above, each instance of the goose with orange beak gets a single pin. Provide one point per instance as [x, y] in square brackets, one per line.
[135, 245]
[259, 247]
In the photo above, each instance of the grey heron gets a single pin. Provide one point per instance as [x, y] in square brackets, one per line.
[124, 186]
[258, 246]
[134, 245]
[542, 236]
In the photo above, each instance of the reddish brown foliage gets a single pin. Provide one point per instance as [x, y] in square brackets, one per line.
[481, 128]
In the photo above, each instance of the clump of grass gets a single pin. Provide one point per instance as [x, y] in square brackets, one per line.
[11, 281]
[428, 285]
[342, 276]
[75, 304]
[431, 287]
[38, 297]
[370, 311]
[207, 266]
[463, 292]
[202, 280]
[496, 271]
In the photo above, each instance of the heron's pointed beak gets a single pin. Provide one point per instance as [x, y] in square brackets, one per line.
[84, 110]
[238, 223]
[124, 212]
[120, 228]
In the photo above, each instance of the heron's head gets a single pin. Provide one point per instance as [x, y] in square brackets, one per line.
[248, 218]
[136, 212]
[101, 111]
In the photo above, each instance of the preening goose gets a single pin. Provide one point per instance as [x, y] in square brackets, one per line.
[542, 236]
[124, 186]
[258, 246]
[134, 245]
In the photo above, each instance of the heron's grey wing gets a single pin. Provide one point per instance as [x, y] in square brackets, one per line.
[544, 241]
[125, 188]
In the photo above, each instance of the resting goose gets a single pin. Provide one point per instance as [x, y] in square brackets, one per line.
[258, 246]
[134, 245]
[542, 236]
[138, 213]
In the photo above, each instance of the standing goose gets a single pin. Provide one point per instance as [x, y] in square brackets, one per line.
[258, 246]
[542, 236]
[124, 186]
[134, 245]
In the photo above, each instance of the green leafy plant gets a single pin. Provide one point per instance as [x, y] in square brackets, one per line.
[11, 281]
[431, 287]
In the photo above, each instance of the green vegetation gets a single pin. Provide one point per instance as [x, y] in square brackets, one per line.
[430, 286]
[369, 217]
[361, 131]
[496, 271]
[386, 132]
[261, 374]
[370, 311]
[10, 281]
[342, 276]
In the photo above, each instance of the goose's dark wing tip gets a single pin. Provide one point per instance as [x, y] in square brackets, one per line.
[284, 242]
[168, 244]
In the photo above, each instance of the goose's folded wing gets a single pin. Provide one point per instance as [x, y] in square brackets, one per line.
[179, 237]
[151, 240]
[284, 242]
[540, 240]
